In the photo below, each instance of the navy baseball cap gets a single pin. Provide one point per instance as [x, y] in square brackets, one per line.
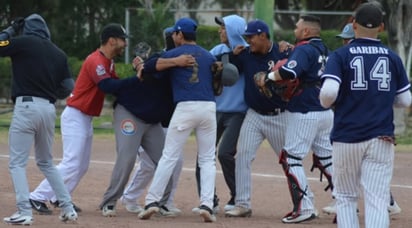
[168, 31]
[256, 27]
[369, 15]
[185, 25]
[347, 32]
[113, 30]
[219, 21]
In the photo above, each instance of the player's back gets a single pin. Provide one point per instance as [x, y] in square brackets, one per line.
[371, 75]
[192, 83]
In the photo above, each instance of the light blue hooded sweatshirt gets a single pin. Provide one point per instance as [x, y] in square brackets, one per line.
[232, 97]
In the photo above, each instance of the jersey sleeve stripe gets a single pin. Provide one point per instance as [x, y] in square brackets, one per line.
[331, 76]
[403, 89]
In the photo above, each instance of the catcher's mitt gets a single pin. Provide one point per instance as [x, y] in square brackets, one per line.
[217, 68]
[285, 89]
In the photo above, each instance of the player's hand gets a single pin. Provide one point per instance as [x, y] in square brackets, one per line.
[136, 62]
[238, 49]
[185, 60]
[285, 46]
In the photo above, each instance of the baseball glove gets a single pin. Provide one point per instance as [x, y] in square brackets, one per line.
[285, 89]
[262, 82]
[217, 68]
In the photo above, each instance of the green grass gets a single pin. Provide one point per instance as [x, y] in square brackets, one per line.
[101, 124]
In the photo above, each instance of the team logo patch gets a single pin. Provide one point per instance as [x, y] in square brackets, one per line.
[100, 70]
[128, 127]
[4, 43]
[292, 64]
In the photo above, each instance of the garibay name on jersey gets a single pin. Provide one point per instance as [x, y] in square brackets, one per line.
[368, 50]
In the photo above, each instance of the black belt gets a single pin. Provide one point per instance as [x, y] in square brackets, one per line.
[274, 112]
[30, 99]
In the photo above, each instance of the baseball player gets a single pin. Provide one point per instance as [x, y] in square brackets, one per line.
[85, 102]
[363, 81]
[264, 118]
[146, 168]
[230, 107]
[347, 35]
[308, 123]
[195, 110]
[137, 122]
[41, 75]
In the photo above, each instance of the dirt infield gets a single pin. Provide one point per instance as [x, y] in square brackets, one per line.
[270, 197]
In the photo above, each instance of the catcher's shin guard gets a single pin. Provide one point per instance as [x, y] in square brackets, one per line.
[296, 191]
[317, 163]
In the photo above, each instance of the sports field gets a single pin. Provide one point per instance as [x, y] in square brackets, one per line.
[270, 199]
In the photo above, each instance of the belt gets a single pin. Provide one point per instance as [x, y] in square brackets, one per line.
[31, 99]
[274, 112]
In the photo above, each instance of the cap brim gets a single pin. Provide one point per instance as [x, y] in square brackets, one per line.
[219, 21]
[249, 33]
[343, 36]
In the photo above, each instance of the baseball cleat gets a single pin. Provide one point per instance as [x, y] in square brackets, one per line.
[331, 208]
[19, 219]
[149, 210]
[109, 211]
[394, 209]
[293, 217]
[40, 207]
[239, 211]
[76, 208]
[207, 214]
[68, 215]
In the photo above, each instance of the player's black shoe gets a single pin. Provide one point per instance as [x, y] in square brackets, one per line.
[76, 208]
[40, 207]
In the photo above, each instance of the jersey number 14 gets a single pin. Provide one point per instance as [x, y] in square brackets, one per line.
[379, 72]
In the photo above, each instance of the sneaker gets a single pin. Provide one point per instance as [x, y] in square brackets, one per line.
[239, 211]
[166, 212]
[293, 217]
[68, 216]
[216, 210]
[109, 211]
[40, 207]
[207, 214]
[149, 210]
[131, 207]
[19, 219]
[331, 208]
[229, 207]
[394, 209]
[56, 204]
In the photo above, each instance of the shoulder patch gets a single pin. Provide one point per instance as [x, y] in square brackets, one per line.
[292, 64]
[100, 70]
[4, 43]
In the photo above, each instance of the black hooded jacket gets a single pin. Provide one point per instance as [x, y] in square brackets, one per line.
[39, 67]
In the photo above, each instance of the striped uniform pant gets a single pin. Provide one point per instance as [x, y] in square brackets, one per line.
[254, 130]
[307, 132]
[367, 164]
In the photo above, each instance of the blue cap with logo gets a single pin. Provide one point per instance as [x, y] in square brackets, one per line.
[256, 27]
[347, 32]
[185, 25]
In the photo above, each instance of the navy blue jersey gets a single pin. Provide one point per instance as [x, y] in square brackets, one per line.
[249, 64]
[370, 76]
[191, 83]
[305, 63]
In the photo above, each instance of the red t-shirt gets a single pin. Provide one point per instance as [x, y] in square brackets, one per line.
[86, 95]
